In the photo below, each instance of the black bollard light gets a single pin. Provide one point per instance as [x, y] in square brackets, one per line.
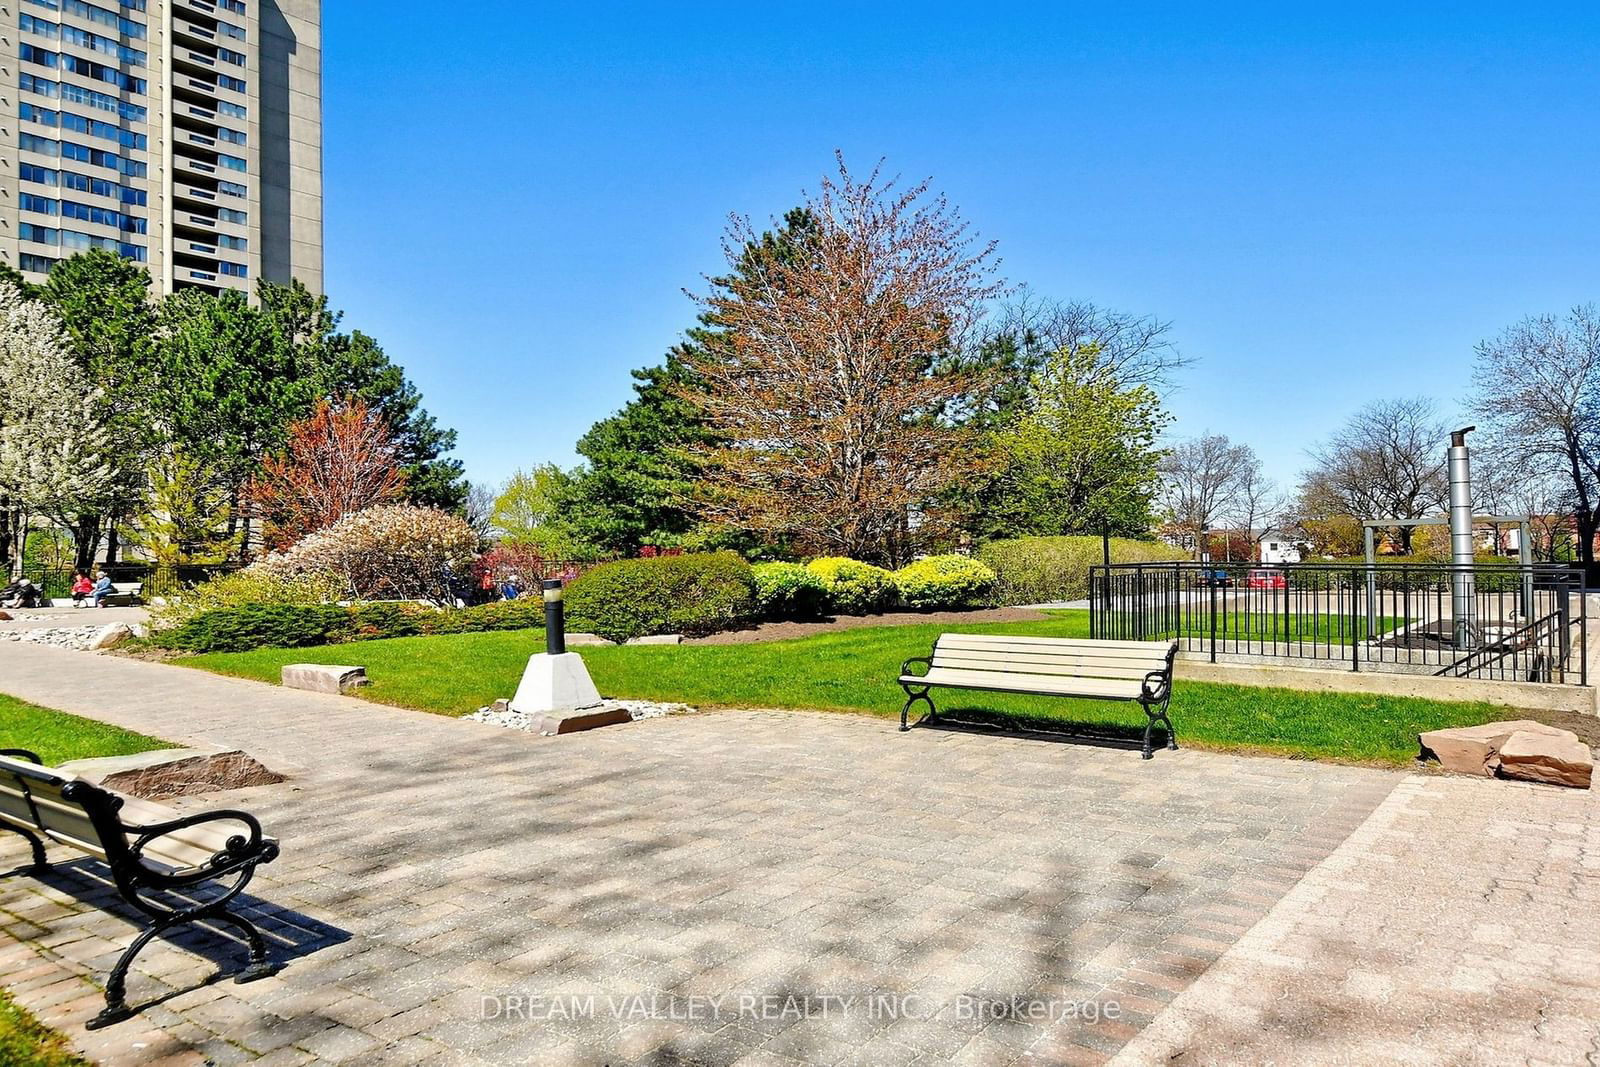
[555, 619]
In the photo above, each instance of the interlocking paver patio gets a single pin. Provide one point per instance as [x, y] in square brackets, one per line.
[430, 863]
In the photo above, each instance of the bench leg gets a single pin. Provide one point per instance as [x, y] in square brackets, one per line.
[1157, 714]
[39, 860]
[912, 698]
[117, 1009]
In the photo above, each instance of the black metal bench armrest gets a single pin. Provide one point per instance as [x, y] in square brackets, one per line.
[926, 661]
[22, 753]
[1156, 685]
[241, 851]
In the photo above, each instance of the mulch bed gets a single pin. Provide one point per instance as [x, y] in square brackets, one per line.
[783, 631]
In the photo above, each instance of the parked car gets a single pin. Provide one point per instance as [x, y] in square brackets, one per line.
[1219, 578]
[1266, 579]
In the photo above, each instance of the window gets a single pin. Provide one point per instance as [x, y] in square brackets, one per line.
[236, 6]
[96, 43]
[45, 235]
[41, 204]
[30, 54]
[238, 270]
[32, 83]
[32, 172]
[237, 111]
[228, 55]
[233, 136]
[97, 71]
[42, 115]
[231, 162]
[42, 145]
[228, 214]
[37, 264]
[102, 215]
[104, 16]
[79, 95]
[43, 28]
[230, 30]
[236, 84]
[232, 189]
[238, 243]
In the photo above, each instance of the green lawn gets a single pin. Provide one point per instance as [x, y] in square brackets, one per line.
[1291, 629]
[855, 670]
[25, 1042]
[55, 736]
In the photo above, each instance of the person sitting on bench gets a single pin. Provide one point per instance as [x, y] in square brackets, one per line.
[102, 589]
[81, 588]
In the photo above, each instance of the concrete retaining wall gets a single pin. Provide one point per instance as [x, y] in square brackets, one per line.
[1196, 667]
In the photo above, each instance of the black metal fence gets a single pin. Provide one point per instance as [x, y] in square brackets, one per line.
[1500, 622]
[57, 582]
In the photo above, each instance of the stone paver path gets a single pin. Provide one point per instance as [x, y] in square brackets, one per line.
[674, 891]
[432, 869]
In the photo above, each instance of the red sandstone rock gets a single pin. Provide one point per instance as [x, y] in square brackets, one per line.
[1560, 759]
[1475, 749]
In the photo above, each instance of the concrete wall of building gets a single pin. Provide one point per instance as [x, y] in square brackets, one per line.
[290, 74]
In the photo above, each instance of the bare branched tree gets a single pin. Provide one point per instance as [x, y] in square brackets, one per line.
[825, 398]
[1133, 349]
[1537, 392]
[1202, 481]
[1259, 504]
[1388, 461]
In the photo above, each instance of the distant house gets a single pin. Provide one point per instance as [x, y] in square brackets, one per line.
[1278, 546]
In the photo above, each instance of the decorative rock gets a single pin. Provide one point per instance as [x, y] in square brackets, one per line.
[571, 722]
[580, 639]
[110, 636]
[5, 616]
[1560, 759]
[657, 639]
[323, 677]
[501, 714]
[174, 772]
[1475, 749]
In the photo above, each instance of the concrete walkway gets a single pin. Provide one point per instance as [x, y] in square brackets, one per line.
[792, 888]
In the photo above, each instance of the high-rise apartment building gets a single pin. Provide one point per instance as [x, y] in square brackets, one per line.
[184, 134]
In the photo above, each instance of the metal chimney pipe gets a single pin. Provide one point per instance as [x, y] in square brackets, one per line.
[1462, 600]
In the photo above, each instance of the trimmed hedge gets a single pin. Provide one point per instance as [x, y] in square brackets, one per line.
[788, 591]
[249, 626]
[1031, 570]
[944, 582]
[853, 587]
[692, 594]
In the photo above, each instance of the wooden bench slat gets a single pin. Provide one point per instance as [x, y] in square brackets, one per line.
[1044, 685]
[1065, 659]
[1155, 647]
[1041, 670]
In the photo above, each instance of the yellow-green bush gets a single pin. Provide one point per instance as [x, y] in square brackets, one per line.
[788, 591]
[1030, 570]
[854, 588]
[944, 582]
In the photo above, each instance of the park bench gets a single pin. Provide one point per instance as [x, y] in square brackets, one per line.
[124, 593]
[174, 869]
[1138, 671]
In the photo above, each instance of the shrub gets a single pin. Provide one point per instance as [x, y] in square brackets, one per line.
[788, 591]
[938, 582]
[248, 586]
[1030, 570]
[693, 594]
[248, 626]
[392, 552]
[854, 588]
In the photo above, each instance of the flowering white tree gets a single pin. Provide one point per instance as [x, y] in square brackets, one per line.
[54, 455]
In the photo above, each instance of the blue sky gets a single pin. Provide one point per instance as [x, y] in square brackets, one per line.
[1329, 206]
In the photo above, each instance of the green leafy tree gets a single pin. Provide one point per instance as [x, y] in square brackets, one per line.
[187, 515]
[529, 511]
[1081, 460]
